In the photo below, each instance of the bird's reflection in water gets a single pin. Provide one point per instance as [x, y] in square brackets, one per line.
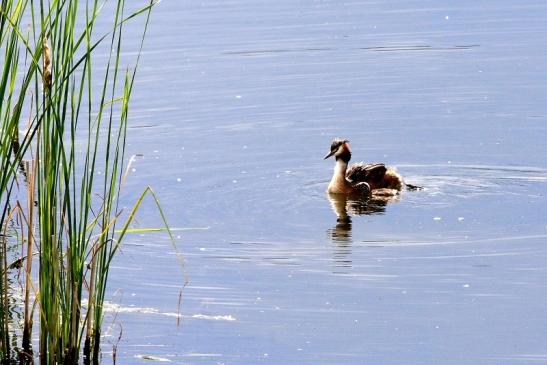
[344, 207]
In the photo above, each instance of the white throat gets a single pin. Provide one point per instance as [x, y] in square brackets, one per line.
[339, 171]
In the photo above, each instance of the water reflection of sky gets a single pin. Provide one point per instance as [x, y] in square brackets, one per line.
[236, 105]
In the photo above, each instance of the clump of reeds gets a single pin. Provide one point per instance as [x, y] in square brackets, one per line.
[71, 213]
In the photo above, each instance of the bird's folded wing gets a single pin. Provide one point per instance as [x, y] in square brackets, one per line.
[370, 172]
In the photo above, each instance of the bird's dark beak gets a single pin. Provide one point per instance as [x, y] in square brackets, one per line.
[329, 154]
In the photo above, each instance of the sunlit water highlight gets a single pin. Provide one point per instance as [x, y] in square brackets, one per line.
[236, 105]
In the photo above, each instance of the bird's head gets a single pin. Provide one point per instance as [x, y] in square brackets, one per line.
[339, 148]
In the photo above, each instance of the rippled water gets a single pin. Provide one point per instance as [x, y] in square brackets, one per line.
[236, 104]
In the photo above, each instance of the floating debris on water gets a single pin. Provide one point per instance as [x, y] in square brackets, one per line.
[152, 358]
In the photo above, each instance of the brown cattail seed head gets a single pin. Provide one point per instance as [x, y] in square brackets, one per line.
[47, 66]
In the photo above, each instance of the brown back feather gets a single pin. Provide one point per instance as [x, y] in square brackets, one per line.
[371, 173]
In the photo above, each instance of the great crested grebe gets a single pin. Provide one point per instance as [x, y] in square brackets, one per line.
[360, 178]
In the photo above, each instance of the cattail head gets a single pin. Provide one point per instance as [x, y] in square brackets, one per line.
[47, 77]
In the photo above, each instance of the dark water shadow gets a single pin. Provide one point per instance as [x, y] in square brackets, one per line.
[345, 207]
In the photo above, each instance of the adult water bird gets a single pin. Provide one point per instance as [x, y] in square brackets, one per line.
[360, 178]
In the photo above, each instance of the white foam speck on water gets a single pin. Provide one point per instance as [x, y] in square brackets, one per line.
[179, 179]
[152, 358]
[437, 218]
[460, 219]
[110, 307]
[214, 318]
